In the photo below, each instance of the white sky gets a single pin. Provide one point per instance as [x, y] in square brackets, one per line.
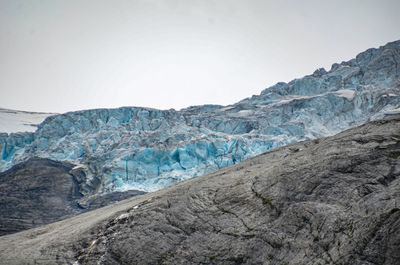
[59, 56]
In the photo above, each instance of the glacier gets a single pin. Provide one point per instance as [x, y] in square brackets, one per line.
[149, 149]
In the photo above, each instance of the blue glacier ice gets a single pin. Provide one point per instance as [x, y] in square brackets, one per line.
[149, 149]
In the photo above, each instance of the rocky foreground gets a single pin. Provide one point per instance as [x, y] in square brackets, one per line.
[330, 201]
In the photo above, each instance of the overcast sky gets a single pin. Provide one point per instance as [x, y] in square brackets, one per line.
[59, 56]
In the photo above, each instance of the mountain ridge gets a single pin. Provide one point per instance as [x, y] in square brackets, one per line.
[148, 149]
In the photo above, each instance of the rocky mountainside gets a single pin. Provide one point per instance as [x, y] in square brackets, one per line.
[41, 191]
[328, 201]
[148, 149]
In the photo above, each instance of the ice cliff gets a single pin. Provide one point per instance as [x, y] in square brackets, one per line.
[148, 149]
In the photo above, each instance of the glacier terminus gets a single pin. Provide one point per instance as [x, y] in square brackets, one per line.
[148, 149]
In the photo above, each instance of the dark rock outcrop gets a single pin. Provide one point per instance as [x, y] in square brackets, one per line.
[330, 201]
[41, 191]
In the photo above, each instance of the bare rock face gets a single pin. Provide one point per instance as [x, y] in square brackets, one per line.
[36, 192]
[41, 191]
[329, 201]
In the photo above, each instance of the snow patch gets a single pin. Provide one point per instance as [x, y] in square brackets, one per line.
[226, 108]
[393, 111]
[245, 112]
[78, 166]
[12, 121]
[345, 93]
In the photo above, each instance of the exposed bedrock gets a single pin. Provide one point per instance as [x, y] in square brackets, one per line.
[329, 201]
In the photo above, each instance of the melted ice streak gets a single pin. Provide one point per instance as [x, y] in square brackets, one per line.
[149, 149]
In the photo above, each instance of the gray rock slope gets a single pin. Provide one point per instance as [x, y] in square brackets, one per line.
[329, 201]
[41, 191]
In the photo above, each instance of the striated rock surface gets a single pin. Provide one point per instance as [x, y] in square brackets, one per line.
[329, 201]
[148, 149]
[41, 191]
